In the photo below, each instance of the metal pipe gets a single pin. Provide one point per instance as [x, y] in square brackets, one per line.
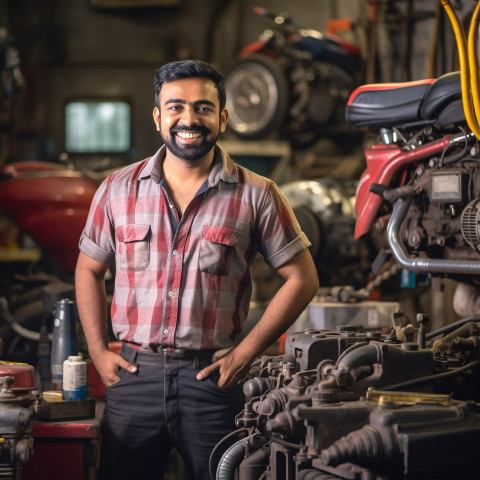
[364, 355]
[416, 264]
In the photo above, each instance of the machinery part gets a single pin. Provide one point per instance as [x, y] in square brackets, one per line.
[232, 458]
[16, 326]
[420, 264]
[324, 209]
[400, 399]
[257, 96]
[347, 405]
[220, 446]
[20, 404]
[315, 475]
[28, 322]
[383, 446]
[470, 224]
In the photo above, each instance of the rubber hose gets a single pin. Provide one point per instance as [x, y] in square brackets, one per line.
[231, 459]
[16, 327]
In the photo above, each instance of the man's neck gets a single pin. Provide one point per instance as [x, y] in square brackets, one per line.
[184, 178]
[186, 170]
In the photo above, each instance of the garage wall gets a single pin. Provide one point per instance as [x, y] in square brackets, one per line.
[68, 48]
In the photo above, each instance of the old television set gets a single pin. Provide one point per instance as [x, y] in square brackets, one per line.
[98, 126]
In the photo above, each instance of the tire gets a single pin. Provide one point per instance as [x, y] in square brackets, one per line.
[257, 97]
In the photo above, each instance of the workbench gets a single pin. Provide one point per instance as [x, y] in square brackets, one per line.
[66, 450]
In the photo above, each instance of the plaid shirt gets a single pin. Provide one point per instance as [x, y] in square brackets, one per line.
[187, 283]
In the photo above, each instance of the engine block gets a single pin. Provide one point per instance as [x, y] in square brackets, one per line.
[359, 405]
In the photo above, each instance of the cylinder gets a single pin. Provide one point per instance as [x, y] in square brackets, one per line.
[64, 343]
[74, 378]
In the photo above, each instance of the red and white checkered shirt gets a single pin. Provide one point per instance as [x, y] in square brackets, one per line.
[187, 285]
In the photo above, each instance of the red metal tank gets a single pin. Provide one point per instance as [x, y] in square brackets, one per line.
[50, 203]
[23, 375]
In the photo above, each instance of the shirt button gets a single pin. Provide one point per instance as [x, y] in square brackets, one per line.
[165, 331]
[174, 253]
[170, 293]
[171, 206]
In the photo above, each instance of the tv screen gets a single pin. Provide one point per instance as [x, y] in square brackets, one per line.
[97, 126]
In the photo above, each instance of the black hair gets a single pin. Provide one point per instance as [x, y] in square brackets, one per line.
[188, 69]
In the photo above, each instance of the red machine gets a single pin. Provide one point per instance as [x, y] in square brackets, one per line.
[20, 404]
[422, 177]
[50, 203]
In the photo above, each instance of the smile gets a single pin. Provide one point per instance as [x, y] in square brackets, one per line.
[188, 134]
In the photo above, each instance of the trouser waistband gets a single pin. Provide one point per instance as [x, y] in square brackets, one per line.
[133, 355]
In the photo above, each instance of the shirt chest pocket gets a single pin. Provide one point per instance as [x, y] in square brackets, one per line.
[133, 246]
[216, 248]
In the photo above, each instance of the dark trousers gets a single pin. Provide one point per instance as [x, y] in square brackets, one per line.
[161, 406]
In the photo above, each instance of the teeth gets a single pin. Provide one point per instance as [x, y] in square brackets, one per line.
[188, 134]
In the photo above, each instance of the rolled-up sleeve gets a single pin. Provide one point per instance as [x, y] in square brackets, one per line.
[280, 237]
[98, 237]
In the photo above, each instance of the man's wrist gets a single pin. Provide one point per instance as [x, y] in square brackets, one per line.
[97, 350]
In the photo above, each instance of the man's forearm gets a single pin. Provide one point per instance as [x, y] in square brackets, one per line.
[92, 308]
[282, 311]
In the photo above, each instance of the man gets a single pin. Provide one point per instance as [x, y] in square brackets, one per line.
[183, 228]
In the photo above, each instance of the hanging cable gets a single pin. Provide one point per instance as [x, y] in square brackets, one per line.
[463, 53]
[473, 59]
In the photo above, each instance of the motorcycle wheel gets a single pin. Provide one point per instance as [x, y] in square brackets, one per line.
[257, 97]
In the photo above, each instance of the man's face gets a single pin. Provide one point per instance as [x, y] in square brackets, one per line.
[189, 119]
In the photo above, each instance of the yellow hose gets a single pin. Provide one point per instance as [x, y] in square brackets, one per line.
[465, 79]
[473, 59]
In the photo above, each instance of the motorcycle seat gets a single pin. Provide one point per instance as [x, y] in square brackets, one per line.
[442, 93]
[386, 104]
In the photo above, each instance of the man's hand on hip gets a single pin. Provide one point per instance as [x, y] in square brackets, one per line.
[232, 367]
[108, 363]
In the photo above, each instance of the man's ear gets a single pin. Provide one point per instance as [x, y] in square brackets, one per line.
[156, 117]
[223, 119]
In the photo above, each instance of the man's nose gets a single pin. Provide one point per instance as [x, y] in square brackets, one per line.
[188, 115]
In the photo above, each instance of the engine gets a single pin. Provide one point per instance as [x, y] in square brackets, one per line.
[430, 208]
[443, 219]
[20, 404]
[362, 405]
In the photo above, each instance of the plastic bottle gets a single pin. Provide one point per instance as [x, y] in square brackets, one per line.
[64, 343]
[74, 378]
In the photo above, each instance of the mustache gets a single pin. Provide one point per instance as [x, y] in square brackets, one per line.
[192, 128]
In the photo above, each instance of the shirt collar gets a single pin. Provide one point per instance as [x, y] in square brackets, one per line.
[223, 167]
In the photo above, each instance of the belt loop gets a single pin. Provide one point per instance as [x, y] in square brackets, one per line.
[130, 354]
[133, 360]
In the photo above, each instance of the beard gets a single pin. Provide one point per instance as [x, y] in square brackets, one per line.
[189, 152]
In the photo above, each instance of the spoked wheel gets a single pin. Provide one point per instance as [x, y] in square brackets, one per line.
[257, 96]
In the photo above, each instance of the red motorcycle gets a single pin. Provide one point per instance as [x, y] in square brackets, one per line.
[422, 180]
[293, 81]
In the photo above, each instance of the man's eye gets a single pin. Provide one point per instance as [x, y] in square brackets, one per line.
[204, 109]
[174, 108]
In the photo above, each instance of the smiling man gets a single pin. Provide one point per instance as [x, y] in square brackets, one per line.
[185, 141]
[183, 228]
